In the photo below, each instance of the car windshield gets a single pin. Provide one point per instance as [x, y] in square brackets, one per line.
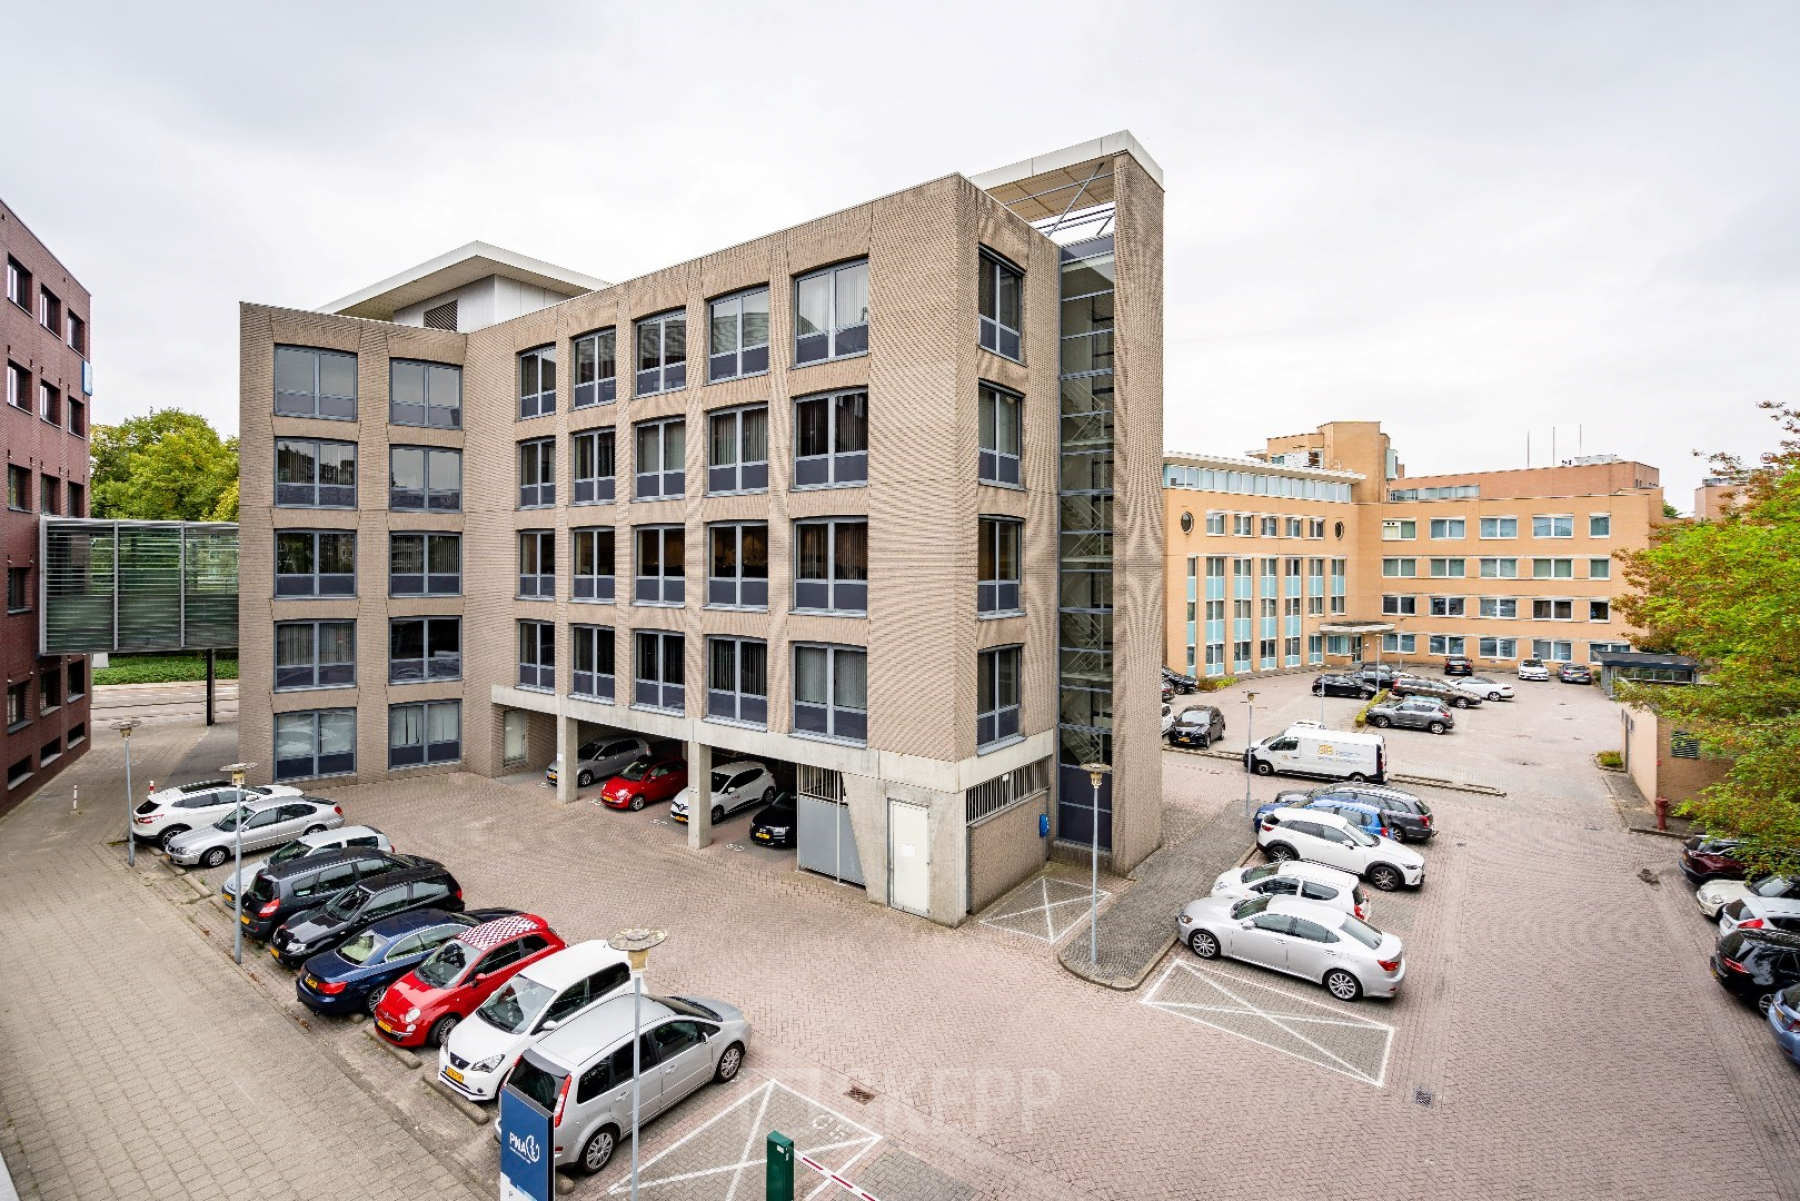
[288, 853]
[445, 965]
[1263, 872]
[1253, 906]
[358, 949]
[345, 904]
[1771, 886]
[1362, 932]
[636, 770]
[516, 1006]
[1358, 837]
[1532, 663]
[230, 820]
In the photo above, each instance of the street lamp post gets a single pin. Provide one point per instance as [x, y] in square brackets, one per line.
[1249, 742]
[237, 772]
[1095, 771]
[637, 944]
[125, 728]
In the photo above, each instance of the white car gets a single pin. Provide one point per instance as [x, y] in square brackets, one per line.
[1755, 912]
[481, 1051]
[1302, 938]
[1326, 838]
[177, 810]
[1533, 669]
[310, 844]
[1481, 686]
[735, 786]
[1713, 896]
[1168, 719]
[1308, 881]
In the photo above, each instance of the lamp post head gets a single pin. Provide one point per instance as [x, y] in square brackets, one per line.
[237, 772]
[637, 943]
[125, 728]
[1095, 771]
[1249, 698]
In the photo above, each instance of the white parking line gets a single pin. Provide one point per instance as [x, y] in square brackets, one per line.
[1040, 903]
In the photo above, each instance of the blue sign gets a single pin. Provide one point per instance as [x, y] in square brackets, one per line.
[527, 1149]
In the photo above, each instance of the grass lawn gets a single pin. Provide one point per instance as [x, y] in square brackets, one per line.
[162, 669]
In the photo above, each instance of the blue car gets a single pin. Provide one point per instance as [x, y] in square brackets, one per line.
[1357, 813]
[354, 977]
[1784, 1020]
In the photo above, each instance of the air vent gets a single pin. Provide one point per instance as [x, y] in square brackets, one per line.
[442, 317]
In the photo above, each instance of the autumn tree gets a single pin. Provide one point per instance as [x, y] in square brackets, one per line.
[166, 465]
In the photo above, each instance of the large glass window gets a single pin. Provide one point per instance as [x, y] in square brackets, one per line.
[596, 368]
[594, 569]
[997, 591]
[1500, 569]
[428, 394]
[1399, 567]
[424, 648]
[1598, 569]
[1553, 650]
[537, 656]
[424, 734]
[425, 477]
[315, 383]
[737, 680]
[831, 569]
[593, 674]
[1553, 569]
[831, 440]
[594, 469]
[315, 563]
[424, 564]
[737, 571]
[1399, 606]
[660, 673]
[831, 313]
[1498, 648]
[1002, 300]
[537, 382]
[661, 565]
[661, 459]
[997, 702]
[310, 474]
[315, 654]
[738, 450]
[739, 335]
[1599, 525]
[537, 473]
[1550, 609]
[662, 353]
[1001, 439]
[315, 742]
[1499, 527]
[1448, 527]
[1555, 526]
[1399, 531]
[1451, 568]
[831, 692]
[1499, 606]
[537, 564]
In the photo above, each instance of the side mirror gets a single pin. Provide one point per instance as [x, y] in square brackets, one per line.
[1248, 923]
[550, 1024]
[481, 976]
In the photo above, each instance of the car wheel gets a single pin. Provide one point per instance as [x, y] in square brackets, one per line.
[315, 829]
[1436, 727]
[585, 780]
[171, 834]
[1280, 852]
[440, 1030]
[637, 802]
[729, 1063]
[1396, 833]
[598, 1152]
[1386, 877]
[1342, 985]
[375, 995]
[718, 814]
[1204, 945]
[1461, 702]
[1380, 723]
[213, 858]
[1357, 777]
[1763, 1002]
[1205, 743]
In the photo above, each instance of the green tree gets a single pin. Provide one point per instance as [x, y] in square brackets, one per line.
[1670, 510]
[1727, 593]
[164, 466]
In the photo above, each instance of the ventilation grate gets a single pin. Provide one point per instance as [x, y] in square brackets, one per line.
[442, 317]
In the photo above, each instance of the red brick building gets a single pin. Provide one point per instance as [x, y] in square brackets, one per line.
[44, 430]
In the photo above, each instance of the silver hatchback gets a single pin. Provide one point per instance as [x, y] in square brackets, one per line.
[266, 824]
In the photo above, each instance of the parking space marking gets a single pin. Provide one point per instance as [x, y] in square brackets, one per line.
[1275, 1019]
[725, 1152]
[1045, 908]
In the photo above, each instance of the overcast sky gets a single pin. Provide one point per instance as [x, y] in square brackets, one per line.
[1466, 221]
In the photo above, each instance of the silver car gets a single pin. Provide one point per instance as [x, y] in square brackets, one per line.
[601, 759]
[582, 1072]
[1302, 938]
[1413, 713]
[309, 844]
[266, 824]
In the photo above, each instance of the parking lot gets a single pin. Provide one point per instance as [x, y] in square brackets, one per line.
[1557, 1032]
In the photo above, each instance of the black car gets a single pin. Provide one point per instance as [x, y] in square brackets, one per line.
[1437, 690]
[429, 885]
[1458, 665]
[1186, 685]
[1340, 685]
[1408, 818]
[1201, 726]
[1754, 965]
[1575, 673]
[775, 823]
[280, 891]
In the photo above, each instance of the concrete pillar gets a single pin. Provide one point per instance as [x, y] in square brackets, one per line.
[699, 766]
[568, 747]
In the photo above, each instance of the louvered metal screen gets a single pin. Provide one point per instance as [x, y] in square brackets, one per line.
[137, 586]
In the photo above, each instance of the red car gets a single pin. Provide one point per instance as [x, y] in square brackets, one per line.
[423, 1006]
[651, 778]
[1705, 859]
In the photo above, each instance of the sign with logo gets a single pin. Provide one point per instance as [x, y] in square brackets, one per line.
[527, 1149]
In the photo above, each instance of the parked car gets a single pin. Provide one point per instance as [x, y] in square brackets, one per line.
[278, 893]
[1533, 669]
[648, 778]
[266, 824]
[1412, 713]
[1378, 674]
[1168, 718]
[425, 1005]
[1407, 818]
[544, 995]
[1714, 896]
[735, 787]
[1197, 725]
[1184, 684]
[1575, 673]
[1754, 965]
[1308, 881]
[600, 759]
[1306, 749]
[1784, 1021]
[426, 884]
[1168, 692]
[1302, 938]
[775, 823]
[1704, 859]
[1328, 839]
[1760, 913]
[1447, 692]
[310, 844]
[1342, 685]
[1486, 689]
[1458, 665]
[354, 977]
[172, 812]
[687, 1041]
[1364, 816]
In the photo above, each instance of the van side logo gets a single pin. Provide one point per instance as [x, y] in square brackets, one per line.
[525, 1148]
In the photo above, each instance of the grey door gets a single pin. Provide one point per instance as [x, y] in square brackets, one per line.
[826, 843]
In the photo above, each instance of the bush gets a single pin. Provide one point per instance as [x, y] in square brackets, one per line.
[1214, 683]
[162, 669]
[1610, 759]
[1362, 714]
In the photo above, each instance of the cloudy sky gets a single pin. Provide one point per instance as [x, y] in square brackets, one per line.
[1471, 222]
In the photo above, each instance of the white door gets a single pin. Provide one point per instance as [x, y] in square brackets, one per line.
[909, 857]
[513, 726]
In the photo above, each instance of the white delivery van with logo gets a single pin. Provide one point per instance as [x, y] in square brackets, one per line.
[1307, 750]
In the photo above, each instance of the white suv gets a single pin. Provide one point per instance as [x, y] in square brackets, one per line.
[185, 807]
[1533, 669]
[1326, 838]
[1481, 686]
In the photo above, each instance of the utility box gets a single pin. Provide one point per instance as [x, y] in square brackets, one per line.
[778, 1178]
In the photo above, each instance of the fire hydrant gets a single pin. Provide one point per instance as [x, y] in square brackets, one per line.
[1662, 813]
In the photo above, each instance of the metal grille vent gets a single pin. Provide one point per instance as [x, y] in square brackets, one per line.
[442, 317]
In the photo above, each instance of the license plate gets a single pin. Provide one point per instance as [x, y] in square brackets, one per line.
[245, 918]
[383, 1024]
[761, 836]
[454, 1074]
[311, 982]
[274, 954]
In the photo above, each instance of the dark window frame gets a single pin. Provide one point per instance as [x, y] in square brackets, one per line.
[535, 398]
[317, 764]
[744, 358]
[539, 583]
[656, 651]
[663, 587]
[742, 474]
[431, 582]
[599, 389]
[842, 594]
[992, 332]
[593, 587]
[997, 713]
[323, 584]
[343, 407]
[429, 752]
[433, 665]
[668, 375]
[601, 446]
[431, 497]
[537, 489]
[829, 718]
[662, 482]
[313, 494]
[836, 339]
[429, 412]
[537, 656]
[316, 673]
[594, 675]
[734, 666]
[997, 594]
[832, 467]
[743, 588]
[1001, 411]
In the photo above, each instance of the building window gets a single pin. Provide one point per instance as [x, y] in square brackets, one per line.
[1552, 610]
[594, 567]
[315, 383]
[1001, 436]
[1599, 525]
[1399, 531]
[1602, 648]
[1243, 525]
[537, 382]
[18, 283]
[315, 654]
[831, 313]
[424, 564]
[660, 671]
[1396, 644]
[1215, 522]
[49, 403]
[315, 563]
[49, 490]
[1002, 300]
[831, 440]
[1447, 527]
[18, 387]
[1600, 610]
[1448, 568]
[1499, 569]
[831, 692]
[738, 450]
[1399, 567]
[310, 474]
[662, 353]
[737, 680]
[997, 696]
[424, 477]
[77, 500]
[77, 680]
[424, 734]
[998, 578]
[77, 418]
[661, 565]
[19, 772]
[1553, 569]
[739, 335]
[77, 335]
[596, 368]
[1445, 644]
[737, 571]
[1553, 650]
[49, 311]
[661, 459]
[594, 472]
[18, 706]
[537, 473]
[537, 656]
[1295, 527]
[537, 564]
[1499, 527]
[49, 690]
[18, 589]
[1553, 527]
[1399, 606]
[315, 742]
[1499, 648]
[1598, 569]
[1447, 606]
[593, 676]
[1315, 527]
[18, 488]
[427, 394]
[421, 649]
[1271, 527]
[1499, 606]
[831, 573]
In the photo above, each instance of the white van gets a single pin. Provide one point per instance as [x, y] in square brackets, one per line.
[1307, 750]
